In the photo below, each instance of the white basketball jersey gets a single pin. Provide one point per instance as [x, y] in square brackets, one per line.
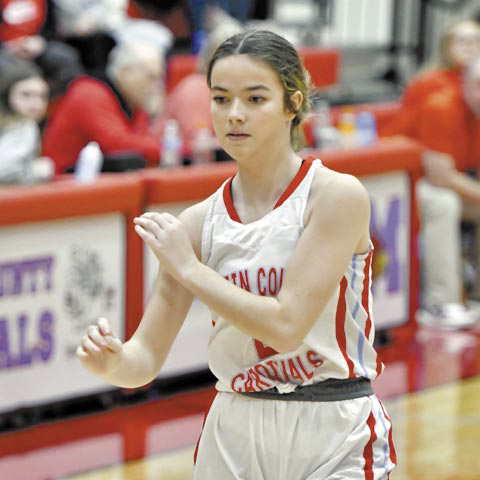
[254, 257]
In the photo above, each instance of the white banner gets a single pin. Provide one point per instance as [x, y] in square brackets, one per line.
[390, 232]
[56, 278]
[189, 351]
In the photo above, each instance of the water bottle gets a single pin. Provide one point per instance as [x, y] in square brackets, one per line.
[347, 128]
[366, 128]
[325, 134]
[171, 145]
[89, 163]
[202, 147]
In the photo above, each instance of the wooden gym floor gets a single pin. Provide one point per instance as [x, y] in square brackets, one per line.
[430, 388]
[434, 410]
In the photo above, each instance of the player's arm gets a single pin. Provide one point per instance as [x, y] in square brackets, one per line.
[336, 227]
[138, 361]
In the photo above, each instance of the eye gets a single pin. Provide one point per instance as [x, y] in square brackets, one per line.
[220, 99]
[256, 99]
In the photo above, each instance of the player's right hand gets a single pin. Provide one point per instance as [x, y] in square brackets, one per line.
[100, 349]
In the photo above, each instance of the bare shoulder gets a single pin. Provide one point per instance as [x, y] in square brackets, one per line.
[338, 204]
[338, 192]
[193, 218]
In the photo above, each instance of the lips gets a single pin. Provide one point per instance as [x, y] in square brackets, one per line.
[237, 135]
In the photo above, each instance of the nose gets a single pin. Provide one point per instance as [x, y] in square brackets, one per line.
[236, 113]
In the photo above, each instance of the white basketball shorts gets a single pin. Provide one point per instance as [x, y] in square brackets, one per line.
[248, 438]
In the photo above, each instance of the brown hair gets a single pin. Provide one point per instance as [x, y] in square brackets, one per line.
[278, 54]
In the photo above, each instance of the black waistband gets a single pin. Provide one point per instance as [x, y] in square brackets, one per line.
[330, 390]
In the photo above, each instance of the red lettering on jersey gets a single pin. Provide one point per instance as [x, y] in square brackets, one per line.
[238, 378]
[244, 283]
[314, 359]
[234, 278]
[284, 369]
[304, 370]
[272, 281]
[273, 366]
[249, 384]
[281, 279]
[262, 370]
[258, 381]
[262, 290]
[264, 351]
[294, 373]
[227, 277]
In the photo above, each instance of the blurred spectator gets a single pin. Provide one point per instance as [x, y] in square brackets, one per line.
[238, 9]
[448, 124]
[24, 34]
[23, 102]
[112, 111]
[175, 15]
[189, 102]
[93, 28]
[459, 44]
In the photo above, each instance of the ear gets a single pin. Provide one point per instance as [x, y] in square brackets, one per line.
[296, 99]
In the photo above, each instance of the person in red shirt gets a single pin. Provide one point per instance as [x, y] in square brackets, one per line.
[459, 44]
[448, 125]
[113, 111]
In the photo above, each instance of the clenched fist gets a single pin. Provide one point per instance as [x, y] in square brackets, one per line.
[100, 349]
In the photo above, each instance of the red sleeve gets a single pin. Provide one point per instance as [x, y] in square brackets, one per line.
[416, 94]
[100, 117]
[402, 122]
[441, 126]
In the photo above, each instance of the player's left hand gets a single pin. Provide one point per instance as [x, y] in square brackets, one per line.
[169, 241]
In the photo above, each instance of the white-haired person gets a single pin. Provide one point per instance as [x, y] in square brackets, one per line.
[112, 110]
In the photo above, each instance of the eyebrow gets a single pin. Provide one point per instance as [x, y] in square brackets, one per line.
[250, 88]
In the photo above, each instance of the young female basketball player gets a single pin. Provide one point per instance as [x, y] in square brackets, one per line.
[281, 254]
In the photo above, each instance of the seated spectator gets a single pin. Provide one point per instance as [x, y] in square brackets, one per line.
[448, 124]
[189, 102]
[459, 44]
[238, 9]
[112, 111]
[23, 102]
[26, 34]
[94, 28]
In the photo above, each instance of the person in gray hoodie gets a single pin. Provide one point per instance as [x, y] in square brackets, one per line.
[23, 103]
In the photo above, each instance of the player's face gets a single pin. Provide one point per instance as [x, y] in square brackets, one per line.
[247, 107]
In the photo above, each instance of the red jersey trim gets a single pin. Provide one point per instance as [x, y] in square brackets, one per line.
[302, 171]
[393, 453]
[227, 190]
[340, 326]
[368, 450]
[365, 293]
[227, 198]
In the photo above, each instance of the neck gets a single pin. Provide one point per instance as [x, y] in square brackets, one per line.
[259, 184]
